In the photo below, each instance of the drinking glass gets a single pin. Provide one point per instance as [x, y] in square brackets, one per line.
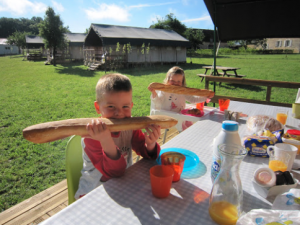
[174, 160]
[281, 116]
[161, 180]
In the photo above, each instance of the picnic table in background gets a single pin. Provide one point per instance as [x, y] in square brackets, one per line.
[224, 73]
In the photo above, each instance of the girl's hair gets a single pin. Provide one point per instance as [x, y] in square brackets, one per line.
[175, 70]
[114, 82]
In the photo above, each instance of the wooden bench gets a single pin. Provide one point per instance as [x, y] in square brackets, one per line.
[267, 83]
[227, 74]
[234, 75]
[203, 76]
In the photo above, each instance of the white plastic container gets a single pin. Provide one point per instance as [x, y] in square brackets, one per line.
[228, 135]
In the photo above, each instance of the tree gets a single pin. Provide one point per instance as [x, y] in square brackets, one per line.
[170, 23]
[9, 25]
[18, 39]
[244, 43]
[52, 31]
[195, 36]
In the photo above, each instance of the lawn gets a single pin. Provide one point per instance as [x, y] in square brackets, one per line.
[32, 93]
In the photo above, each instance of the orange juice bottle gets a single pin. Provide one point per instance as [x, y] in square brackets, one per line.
[281, 117]
[276, 165]
[223, 213]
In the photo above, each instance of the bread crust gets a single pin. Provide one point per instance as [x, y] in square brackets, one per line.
[52, 131]
[180, 90]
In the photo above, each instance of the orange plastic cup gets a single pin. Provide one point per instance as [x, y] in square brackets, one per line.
[200, 106]
[161, 180]
[174, 160]
[224, 103]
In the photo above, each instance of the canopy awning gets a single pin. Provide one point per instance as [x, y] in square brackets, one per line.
[251, 19]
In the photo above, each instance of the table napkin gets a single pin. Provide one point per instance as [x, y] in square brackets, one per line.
[288, 201]
[267, 216]
[298, 97]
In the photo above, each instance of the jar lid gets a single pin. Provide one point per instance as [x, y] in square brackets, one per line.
[230, 125]
[293, 132]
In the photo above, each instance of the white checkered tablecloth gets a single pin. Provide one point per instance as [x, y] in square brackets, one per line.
[128, 200]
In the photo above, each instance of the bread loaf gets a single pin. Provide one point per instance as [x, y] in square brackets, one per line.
[180, 89]
[52, 131]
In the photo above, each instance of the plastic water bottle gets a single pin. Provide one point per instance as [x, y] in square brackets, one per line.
[228, 135]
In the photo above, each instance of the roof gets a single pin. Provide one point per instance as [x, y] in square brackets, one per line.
[72, 37]
[76, 37]
[30, 39]
[251, 19]
[138, 34]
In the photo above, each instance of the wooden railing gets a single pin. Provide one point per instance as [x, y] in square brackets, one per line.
[267, 83]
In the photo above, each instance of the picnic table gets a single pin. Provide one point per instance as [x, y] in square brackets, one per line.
[224, 73]
[128, 199]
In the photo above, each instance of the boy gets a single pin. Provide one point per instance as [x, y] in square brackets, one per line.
[107, 155]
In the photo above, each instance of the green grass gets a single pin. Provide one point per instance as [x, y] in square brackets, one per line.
[32, 93]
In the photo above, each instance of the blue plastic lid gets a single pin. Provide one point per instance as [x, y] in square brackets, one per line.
[230, 125]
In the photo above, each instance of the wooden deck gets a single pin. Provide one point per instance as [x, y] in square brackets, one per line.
[50, 201]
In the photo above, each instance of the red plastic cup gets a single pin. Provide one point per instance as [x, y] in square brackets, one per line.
[175, 160]
[200, 106]
[161, 180]
[224, 103]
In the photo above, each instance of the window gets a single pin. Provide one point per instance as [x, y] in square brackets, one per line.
[278, 44]
[287, 43]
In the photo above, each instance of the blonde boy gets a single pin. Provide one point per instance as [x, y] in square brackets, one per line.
[107, 155]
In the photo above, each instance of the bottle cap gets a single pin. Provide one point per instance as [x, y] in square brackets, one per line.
[230, 125]
[294, 132]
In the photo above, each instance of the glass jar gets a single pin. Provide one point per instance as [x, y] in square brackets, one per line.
[226, 197]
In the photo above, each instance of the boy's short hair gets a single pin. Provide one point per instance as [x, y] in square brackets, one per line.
[175, 70]
[113, 82]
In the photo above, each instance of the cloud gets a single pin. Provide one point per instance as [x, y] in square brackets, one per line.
[150, 5]
[58, 6]
[22, 7]
[105, 11]
[185, 2]
[115, 12]
[203, 18]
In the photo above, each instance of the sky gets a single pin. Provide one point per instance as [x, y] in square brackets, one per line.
[79, 14]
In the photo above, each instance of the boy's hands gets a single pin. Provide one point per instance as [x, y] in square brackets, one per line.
[151, 136]
[98, 131]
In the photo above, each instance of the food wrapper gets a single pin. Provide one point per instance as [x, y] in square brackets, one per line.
[288, 201]
[270, 217]
[257, 124]
[257, 145]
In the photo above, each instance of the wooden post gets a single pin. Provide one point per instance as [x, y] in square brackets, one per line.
[206, 84]
[268, 96]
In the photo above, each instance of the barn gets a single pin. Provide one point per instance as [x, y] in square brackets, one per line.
[133, 45]
[35, 45]
[6, 49]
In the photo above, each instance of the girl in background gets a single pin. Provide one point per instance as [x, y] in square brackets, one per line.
[174, 102]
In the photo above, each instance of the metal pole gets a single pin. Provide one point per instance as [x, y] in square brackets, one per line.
[214, 71]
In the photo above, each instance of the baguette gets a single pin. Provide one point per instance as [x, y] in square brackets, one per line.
[180, 89]
[52, 131]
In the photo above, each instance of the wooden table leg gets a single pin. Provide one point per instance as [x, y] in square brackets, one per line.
[236, 75]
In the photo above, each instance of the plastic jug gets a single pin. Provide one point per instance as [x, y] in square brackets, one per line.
[228, 135]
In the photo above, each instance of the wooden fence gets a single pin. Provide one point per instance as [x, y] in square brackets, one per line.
[267, 83]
